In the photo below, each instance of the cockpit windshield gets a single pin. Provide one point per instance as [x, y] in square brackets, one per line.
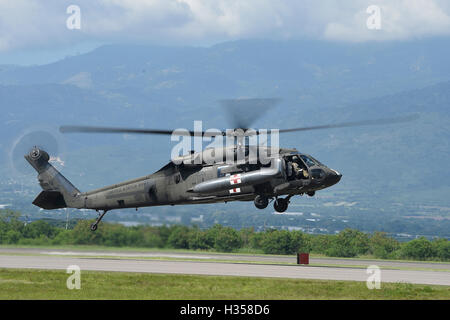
[308, 160]
[317, 161]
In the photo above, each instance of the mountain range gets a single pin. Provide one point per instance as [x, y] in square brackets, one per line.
[318, 82]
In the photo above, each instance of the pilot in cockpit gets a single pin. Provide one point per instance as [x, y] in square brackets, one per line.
[298, 168]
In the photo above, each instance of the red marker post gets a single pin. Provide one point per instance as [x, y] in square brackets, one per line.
[302, 258]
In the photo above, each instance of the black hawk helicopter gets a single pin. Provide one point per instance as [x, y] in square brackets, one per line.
[186, 180]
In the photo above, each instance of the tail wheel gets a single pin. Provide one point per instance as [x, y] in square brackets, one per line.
[261, 202]
[281, 205]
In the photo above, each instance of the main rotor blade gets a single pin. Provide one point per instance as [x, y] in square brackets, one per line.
[184, 132]
[243, 112]
[90, 129]
[355, 123]
[178, 132]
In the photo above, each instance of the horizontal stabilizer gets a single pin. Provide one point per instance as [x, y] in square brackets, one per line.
[50, 200]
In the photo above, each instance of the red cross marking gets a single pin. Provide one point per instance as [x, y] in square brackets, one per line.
[235, 190]
[235, 179]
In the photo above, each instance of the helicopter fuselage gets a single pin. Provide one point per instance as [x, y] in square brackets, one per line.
[290, 173]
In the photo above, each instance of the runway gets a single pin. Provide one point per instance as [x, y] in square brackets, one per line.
[236, 265]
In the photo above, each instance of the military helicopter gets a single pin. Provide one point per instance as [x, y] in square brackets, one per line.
[187, 181]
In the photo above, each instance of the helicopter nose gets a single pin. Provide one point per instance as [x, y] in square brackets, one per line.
[334, 177]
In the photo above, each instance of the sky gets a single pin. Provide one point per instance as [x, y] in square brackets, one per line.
[37, 31]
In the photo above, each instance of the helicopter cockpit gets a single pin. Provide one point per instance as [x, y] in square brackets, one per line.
[296, 167]
[309, 161]
[302, 166]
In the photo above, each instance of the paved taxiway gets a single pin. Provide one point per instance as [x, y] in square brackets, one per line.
[274, 259]
[130, 261]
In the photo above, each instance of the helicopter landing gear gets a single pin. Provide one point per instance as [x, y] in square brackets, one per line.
[261, 202]
[94, 226]
[281, 205]
[311, 193]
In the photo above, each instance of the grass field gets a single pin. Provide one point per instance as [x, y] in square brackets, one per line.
[49, 284]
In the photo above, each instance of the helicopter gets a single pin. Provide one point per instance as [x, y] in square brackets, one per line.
[185, 180]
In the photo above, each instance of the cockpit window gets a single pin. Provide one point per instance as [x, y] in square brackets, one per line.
[317, 161]
[309, 162]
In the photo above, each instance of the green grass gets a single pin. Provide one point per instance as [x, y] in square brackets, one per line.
[51, 284]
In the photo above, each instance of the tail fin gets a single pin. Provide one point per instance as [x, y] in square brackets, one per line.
[57, 192]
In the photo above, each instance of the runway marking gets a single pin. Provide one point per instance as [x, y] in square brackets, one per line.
[132, 255]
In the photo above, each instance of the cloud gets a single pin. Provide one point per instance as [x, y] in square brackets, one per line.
[40, 24]
[400, 20]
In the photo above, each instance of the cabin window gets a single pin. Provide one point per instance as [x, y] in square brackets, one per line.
[219, 172]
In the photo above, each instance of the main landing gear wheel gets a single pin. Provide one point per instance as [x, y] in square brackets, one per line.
[280, 205]
[261, 202]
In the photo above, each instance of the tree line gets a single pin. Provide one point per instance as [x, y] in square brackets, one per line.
[347, 243]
